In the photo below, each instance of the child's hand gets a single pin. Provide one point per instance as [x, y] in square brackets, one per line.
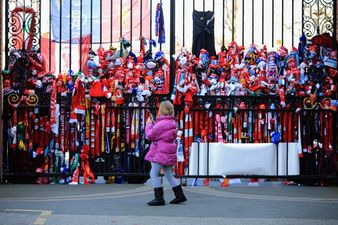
[150, 120]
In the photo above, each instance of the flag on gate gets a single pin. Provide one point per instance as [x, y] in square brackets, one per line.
[48, 53]
[84, 53]
[107, 20]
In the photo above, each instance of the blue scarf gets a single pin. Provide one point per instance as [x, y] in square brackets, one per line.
[159, 24]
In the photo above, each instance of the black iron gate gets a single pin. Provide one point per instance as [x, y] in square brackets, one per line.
[279, 22]
[40, 154]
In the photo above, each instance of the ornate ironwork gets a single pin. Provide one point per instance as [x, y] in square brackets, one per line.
[15, 99]
[318, 17]
[23, 24]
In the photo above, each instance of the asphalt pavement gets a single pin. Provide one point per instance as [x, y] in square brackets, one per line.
[122, 204]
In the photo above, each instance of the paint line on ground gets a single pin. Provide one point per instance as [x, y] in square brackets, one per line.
[40, 221]
[213, 192]
[82, 196]
[43, 214]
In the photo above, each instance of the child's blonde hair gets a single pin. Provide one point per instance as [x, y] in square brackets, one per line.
[166, 108]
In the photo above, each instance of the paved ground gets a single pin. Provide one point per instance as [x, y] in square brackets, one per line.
[104, 204]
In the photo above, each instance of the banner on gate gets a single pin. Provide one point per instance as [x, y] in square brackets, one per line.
[67, 13]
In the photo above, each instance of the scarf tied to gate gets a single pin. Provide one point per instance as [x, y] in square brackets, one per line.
[159, 24]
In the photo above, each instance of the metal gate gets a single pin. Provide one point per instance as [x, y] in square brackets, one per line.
[32, 153]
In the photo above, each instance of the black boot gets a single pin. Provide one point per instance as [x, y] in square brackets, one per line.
[159, 200]
[179, 195]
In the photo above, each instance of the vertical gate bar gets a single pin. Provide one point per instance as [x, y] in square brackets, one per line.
[151, 24]
[23, 35]
[208, 142]
[23, 26]
[233, 21]
[120, 21]
[80, 58]
[16, 124]
[262, 21]
[285, 130]
[50, 37]
[273, 21]
[334, 129]
[208, 156]
[330, 127]
[70, 35]
[141, 166]
[172, 43]
[243, 22]
[44, 140]
[141, 5]
[90, 142]
[193, 127]
[111, 145]
[131, 25]
[287, 144]
[302, 17]
[58, 138]
[183, 22]
[100, 22]
[69, 130]
[204, 22]
[321, 135]
[160, 30]
[282, 22]
[6, 32]
[318, 18]
[111, 22]
[193, 4]
[213, 5]
[253, 21]
[292, 21]
[223, 5]
[123, 154]
[91, 23]
[335, 19]
[60, 41]
[277, 159]
[39, 24]
[198, 157]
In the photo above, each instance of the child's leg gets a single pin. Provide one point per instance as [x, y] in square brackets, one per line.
[154, 175]
[168, 173]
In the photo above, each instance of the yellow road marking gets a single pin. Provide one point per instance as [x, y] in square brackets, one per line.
[41, 220]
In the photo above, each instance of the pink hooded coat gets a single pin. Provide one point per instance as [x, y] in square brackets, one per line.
[162, 134]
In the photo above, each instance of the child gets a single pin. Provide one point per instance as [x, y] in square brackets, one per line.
[162, 153]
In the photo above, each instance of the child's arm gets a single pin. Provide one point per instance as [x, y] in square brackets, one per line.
[149, 127]
[151, 130]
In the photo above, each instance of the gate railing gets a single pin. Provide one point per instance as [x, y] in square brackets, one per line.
[272, 23]
[279, 22]
[117, 145]
[302, 133]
